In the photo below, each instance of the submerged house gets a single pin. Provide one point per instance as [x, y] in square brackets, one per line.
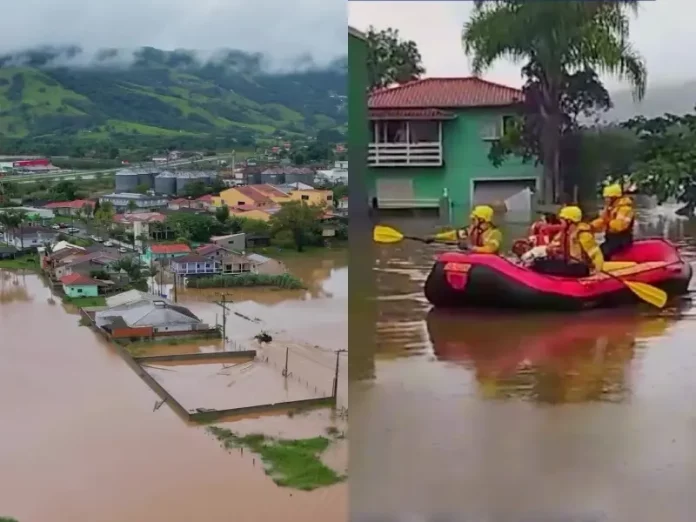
[78, 285]
[149, 317]
[429, 142]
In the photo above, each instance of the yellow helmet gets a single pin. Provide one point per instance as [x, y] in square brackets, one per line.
[573, 214]
[612, 191]
[483, 212]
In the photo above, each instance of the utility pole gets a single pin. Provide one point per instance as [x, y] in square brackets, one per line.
[285, 371]
[334, 392]
[223, 304]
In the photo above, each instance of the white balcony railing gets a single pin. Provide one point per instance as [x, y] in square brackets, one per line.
[405, 154]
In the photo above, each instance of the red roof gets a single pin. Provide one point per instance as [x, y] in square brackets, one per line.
[78, 203]
[253, 194]
[410, 114]
[445, 93]
[269, 190]
[208, 198]
[75, 279]
[176, 248]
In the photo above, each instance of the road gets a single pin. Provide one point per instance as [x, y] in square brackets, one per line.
[91, 174]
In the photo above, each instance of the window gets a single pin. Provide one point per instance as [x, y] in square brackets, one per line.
[78, 290]
[304, 197]
[240, 203]
[424, 131]
[494, 128]
[329, 197]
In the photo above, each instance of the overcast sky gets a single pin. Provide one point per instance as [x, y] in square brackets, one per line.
[278, 28]
[663, 33]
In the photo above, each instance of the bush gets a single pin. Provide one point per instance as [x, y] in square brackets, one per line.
[285, 281]
[284, 239]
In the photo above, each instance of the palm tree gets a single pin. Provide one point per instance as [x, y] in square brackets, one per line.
[18, 219]
[132, 206]
[552, 40]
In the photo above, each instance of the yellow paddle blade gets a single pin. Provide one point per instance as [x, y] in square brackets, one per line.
[383, 234]
[610, 266]
[648, 293]
[448, 235]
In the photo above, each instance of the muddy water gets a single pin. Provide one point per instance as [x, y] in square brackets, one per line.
[546, 417]
[84, 444]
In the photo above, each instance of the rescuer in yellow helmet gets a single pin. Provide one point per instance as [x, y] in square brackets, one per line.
[481, 236]
[616, 221]
[572, 252]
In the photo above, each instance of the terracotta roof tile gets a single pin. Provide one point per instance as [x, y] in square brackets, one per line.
[253, 194]
[77, 279]
[78, 203]
[176, 248]
[445, 93]
[269, 190]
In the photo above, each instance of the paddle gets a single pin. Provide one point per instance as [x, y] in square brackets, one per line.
[648, 293]
[384, 234]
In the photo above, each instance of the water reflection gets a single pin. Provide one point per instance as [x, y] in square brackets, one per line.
[549, 358]
[13, 287]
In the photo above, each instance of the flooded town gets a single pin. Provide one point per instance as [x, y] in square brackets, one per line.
[176, 372]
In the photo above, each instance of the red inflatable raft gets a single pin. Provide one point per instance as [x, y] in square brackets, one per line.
[460, 279]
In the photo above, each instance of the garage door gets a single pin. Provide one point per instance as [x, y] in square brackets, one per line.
[394, 192]
[515, 193]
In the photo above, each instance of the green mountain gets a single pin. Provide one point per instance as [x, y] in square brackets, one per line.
[45, 99]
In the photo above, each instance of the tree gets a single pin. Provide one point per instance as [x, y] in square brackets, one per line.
[299, 219]
[64, 191]
[554, 40]
[141, 188]
[666, 165]
[222, 213]
[86, 209]
[390, 59]
[195, 189]
[132, 206]
[193, 227]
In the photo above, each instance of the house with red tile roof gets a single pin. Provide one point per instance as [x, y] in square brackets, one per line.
[429, 143]
[69, 208]
[163, 252]
[78, 285]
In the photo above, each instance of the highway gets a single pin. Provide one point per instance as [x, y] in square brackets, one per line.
[91, 174]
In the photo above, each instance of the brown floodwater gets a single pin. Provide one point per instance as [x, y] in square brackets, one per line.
[542, 417]
[84, 442]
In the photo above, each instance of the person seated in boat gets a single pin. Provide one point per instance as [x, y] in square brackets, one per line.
[481, 236]
[616, 221]
[573, 252]
[543, 229]
[540, 234]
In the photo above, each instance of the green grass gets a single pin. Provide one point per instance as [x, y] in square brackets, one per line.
[85, 302]
[7, 519]
[26, 262]
[285, 281]
[290, 463]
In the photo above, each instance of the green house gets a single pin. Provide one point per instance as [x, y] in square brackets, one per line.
[429, 142]
[78, 285]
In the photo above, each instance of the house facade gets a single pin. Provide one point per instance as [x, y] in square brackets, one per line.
[121, 201]
[234, 242]
[313, 197]
[71, 208]
[429, 142]
[77, 285]
[164, 252]
[194, 265]
[30, 237]
[266, 265]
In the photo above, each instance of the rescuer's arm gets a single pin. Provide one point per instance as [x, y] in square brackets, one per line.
[598, 224]
[623, 220]
[591, 248]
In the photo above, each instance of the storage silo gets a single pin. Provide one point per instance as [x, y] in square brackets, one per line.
[126, 180]
[146, 178]
[165, 183]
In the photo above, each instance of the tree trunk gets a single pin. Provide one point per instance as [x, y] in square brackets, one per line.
[550, 144]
